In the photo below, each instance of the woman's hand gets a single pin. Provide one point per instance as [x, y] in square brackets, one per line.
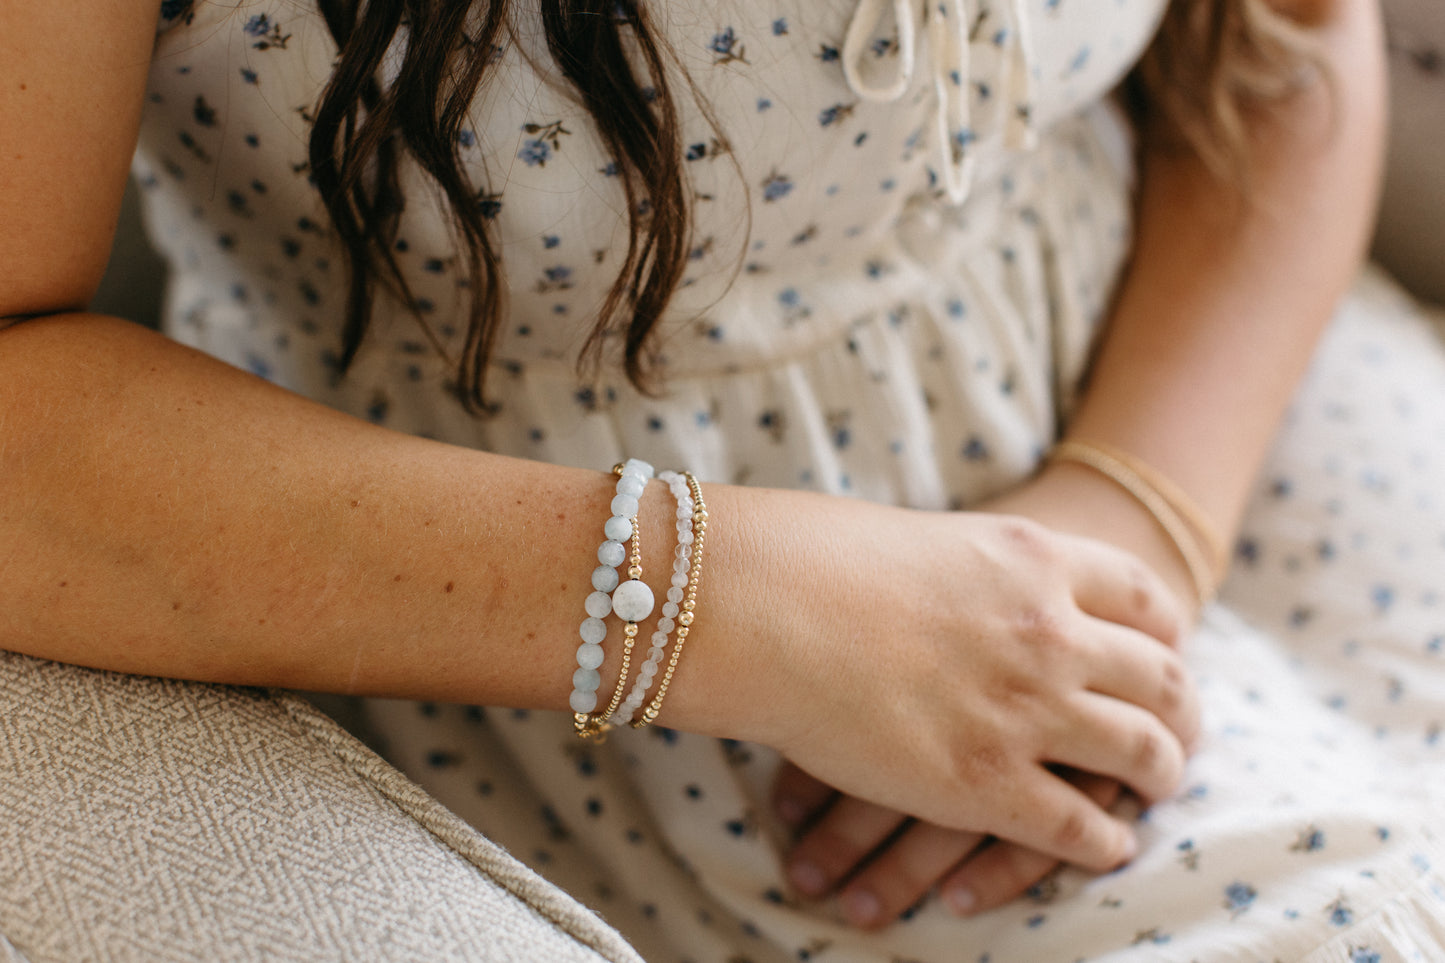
[971, 872]
[949, 665]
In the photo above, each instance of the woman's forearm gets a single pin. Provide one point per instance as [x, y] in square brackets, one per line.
[165, 513]
[1225, 297]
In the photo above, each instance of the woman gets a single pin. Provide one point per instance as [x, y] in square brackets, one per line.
[875, 250]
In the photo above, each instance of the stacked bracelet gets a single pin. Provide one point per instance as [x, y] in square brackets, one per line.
[689, 604]
[1174, 511]
[626, 598]
[670, 609]
[632, 601]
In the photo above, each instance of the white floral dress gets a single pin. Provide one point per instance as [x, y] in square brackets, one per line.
[909, 221]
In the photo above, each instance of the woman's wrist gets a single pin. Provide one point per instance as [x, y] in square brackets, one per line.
[1074, 498]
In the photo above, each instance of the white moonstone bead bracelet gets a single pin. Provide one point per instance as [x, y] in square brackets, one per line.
[681, 556]
[684, 613]
[619, 528]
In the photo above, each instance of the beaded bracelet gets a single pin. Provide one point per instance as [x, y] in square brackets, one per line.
[670, 609]
[689, 604]
[625, 598]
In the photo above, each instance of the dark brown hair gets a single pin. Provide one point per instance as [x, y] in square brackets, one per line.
[1210, 62]
[363, 131]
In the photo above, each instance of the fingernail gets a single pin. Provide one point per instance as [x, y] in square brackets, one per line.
[808, 878]
[861, 907]
[961, 900]
[791, 811]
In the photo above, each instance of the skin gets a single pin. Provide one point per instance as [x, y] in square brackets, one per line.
[166, 514]
[1212, 330]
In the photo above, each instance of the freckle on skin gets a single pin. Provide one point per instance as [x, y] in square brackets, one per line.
[175, 606]
[355, 504]
[63, 584]
[451, 585]
[397, 579]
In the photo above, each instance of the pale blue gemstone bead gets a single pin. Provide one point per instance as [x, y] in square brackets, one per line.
[593, 631]
[624, 505]
[670, 610]
[665, 624]
[599, 605]
[604, 578]
[679, 578]
[586, 680]
[674, 594]
[618, 528]
[647, 670]
[582, 701]
[611, 552]
[589, 655]
[631, 485]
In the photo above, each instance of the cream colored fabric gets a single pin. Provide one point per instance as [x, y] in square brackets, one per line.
[151, 820]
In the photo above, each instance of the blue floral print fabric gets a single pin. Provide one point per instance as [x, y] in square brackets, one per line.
[909, 220]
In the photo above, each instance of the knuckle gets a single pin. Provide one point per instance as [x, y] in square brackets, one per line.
[1045, 630]
[1031, 540]
[981, 765]
[1160, 762]
[1173, 685]
[1148, 753]
[1072, 832]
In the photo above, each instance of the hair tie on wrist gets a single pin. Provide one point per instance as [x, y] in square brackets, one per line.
[1186, 525]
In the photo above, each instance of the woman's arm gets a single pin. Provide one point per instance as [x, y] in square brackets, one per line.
[164, 513]
[1226, 296]
[1215, 322]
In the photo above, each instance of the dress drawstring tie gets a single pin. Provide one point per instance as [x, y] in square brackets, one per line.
[950, 35]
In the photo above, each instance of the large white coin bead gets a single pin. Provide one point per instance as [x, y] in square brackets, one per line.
[632, 601]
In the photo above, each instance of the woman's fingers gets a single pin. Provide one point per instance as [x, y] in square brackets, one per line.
[1136, 669]
[797, 796]
[1056, 819]
[1113, 585]
[1110, 737]
[904, 873]
[842, 839]
[1002, 871]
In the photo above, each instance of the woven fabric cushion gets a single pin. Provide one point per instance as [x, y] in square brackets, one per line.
[143, 819]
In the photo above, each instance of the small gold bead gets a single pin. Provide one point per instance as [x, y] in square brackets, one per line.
[682, 631]
[631, 630]
[689, 605]
[685, 618]
[635, 571]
